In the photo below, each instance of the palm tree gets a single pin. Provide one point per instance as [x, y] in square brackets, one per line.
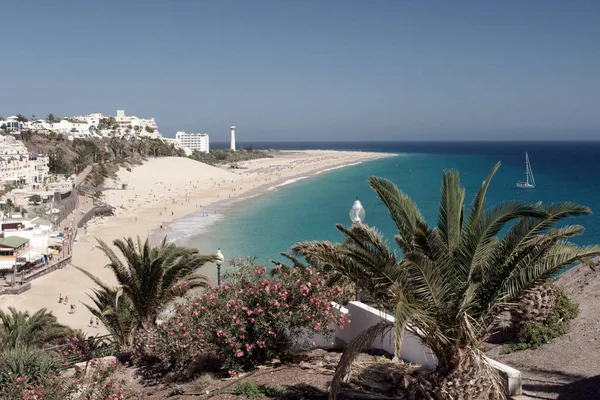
[21, 329]
[29, 362]
[451, 281]
[152, 277]
[114, 310]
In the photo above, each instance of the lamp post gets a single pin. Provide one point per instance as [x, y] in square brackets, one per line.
[357, 216]
[219, 261]
[357, 212]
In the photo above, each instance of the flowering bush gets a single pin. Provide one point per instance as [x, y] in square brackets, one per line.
[75, 349]
[251, 320]
[100, 383]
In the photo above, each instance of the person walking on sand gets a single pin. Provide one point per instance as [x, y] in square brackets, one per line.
[60, 298]
[92, 322]
[66, 300]
[97, 322]
[72, 309]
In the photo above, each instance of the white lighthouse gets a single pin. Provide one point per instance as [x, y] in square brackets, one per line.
[232, 145]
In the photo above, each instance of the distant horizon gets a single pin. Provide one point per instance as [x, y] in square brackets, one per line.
[239, 142]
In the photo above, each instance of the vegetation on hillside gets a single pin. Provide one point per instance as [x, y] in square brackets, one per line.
[227, 156]
[535, 334]
[452, 280]
[22, 336]
[106, 155]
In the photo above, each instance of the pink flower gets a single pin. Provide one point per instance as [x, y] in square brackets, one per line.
[240, 353]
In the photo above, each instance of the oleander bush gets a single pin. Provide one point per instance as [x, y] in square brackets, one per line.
[249, 320]
[101, 382]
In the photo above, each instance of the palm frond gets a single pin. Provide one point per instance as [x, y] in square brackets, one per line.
[354, 348]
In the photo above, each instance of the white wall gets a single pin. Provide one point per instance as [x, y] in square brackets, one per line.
[363, 316]
[413, 350]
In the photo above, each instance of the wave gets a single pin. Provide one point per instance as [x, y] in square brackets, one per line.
[190, 225]
[288, 182]
[338, 167]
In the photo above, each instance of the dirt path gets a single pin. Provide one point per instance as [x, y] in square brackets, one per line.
[567, 367]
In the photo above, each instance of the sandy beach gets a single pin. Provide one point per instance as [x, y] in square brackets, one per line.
[158, 192]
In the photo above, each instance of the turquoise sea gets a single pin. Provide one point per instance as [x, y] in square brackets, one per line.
[308, 209]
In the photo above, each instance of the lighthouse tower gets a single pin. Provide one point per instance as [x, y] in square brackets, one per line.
[232, 145]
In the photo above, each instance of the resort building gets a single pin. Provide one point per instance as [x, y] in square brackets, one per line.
[86, 126]
[130, 122]
[11, 124]
[19, 167]
[126, 124]
[193, 141]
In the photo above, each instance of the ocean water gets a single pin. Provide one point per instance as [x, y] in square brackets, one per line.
[308, 208]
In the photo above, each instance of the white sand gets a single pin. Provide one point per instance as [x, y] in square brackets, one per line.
[159, 191]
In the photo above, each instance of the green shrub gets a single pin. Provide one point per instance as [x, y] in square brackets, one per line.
[32, 363]
[252, 390]
[534, 335]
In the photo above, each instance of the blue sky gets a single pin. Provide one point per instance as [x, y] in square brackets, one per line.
[312, 70]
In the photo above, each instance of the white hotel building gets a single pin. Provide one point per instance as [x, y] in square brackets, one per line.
[193, 141]
[18, 166]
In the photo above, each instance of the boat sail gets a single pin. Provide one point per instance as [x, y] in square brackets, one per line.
[530, 180]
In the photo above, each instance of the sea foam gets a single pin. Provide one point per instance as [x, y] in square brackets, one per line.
[288, 182]
[338, 167]
[191, 225]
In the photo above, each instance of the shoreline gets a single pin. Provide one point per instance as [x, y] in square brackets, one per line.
[219, 208]
[163, 192]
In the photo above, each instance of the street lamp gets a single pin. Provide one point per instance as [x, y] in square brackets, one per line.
[219, 261]
[357, 216]
[357, 212]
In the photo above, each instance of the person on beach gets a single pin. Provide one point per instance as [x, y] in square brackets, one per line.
[72, 309]
[91, 322]
[97, 322]
[60, 298]
[66, 300]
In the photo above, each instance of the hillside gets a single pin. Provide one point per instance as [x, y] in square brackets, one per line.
[106, 155]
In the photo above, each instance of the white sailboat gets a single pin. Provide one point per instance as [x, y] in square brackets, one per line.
[530, 180]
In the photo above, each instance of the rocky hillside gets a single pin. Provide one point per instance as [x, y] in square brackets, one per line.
[106, 155]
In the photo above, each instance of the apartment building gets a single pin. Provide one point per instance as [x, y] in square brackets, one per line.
[193, 141]
[17, 166]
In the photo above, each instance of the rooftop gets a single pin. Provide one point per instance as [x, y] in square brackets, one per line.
[13, 242]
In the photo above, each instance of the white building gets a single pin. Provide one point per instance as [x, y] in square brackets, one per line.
[126, 125]
[130, 122]
[11, 124]
[193, 141]
[85, 126]
[17, 166]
